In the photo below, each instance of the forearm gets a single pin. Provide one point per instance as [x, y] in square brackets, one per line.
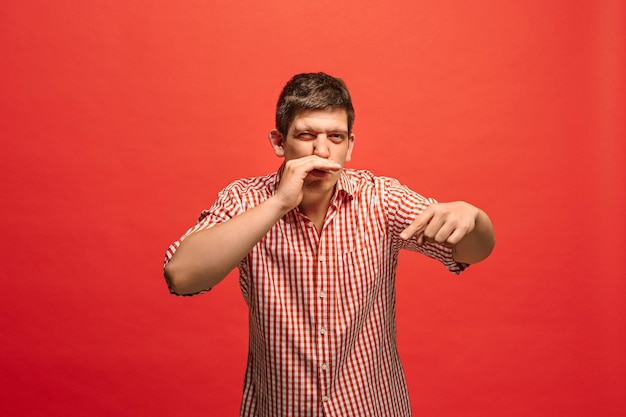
[478, 244]
[206, 257]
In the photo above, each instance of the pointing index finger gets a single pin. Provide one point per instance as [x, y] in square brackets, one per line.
[418, 225]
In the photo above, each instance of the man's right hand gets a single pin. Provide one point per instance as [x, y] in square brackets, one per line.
[290, 190]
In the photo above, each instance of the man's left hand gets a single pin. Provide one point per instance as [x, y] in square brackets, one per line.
[445, 223]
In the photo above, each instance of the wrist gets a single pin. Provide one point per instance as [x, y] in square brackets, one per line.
[278, 205]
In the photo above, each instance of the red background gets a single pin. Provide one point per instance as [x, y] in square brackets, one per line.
[120, 121]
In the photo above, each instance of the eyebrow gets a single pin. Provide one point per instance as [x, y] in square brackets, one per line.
[306, 128]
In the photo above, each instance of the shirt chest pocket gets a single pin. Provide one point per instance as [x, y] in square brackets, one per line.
[359, 275]
[358, 285]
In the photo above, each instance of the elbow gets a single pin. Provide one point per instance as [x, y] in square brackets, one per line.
[488, 248]
[171, 278]
[184, 280]
[176, 281]
[474, 252]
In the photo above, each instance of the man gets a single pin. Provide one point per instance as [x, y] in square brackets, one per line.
[317, 247]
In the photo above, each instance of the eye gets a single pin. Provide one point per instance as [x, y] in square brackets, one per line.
[337, 137]
[306, 136]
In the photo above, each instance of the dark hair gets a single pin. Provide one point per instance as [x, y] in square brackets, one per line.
[312, 91]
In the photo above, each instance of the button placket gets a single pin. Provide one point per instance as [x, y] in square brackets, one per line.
[323, 317]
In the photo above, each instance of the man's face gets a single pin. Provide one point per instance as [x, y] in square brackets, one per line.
[323, 133]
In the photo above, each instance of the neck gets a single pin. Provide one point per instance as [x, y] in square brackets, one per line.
[315, 204]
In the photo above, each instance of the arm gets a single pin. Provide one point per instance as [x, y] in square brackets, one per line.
[467, 229]
[204, 258]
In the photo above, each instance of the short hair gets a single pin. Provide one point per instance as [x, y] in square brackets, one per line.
[312, 91]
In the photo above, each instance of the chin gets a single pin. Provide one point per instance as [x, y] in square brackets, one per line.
[320, 183]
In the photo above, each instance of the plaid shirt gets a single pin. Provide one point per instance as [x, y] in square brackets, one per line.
[322, 305]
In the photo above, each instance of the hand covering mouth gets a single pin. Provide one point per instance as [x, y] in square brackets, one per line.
[319, 172]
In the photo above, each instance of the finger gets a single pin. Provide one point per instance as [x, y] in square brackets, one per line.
[434, 227]
[307, 164]
[444, 233]
[324, 164]
[413, 229]
[421, 239]
[418, 225]
[457, 235]
[301, 167]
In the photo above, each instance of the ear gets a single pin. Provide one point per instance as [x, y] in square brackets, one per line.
[276, 140]
[350, 147]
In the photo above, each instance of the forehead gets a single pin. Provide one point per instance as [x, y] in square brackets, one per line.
[320, 120]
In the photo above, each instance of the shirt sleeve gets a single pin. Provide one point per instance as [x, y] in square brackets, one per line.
[227, 206]
[403, 205]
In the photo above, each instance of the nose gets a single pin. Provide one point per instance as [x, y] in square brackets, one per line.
[320, 146]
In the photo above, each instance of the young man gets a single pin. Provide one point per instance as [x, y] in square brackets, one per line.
[317, 247]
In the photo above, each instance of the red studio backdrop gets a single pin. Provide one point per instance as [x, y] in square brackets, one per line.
[120, 122]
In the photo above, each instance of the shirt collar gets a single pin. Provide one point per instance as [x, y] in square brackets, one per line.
[344, 187]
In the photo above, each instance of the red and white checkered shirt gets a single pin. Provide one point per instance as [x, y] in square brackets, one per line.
[322, 305]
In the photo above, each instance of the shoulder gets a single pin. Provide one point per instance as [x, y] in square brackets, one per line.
[252, 185]
[246, 193]
[364, 183]
[362, 180]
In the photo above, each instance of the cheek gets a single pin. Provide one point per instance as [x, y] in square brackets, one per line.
[342, 154]
[348, 155]
[301, 149]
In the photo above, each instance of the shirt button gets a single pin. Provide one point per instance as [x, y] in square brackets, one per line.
[311, 225]
[325, 398]
[322, 294]
[323, 330]
[324, 367]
